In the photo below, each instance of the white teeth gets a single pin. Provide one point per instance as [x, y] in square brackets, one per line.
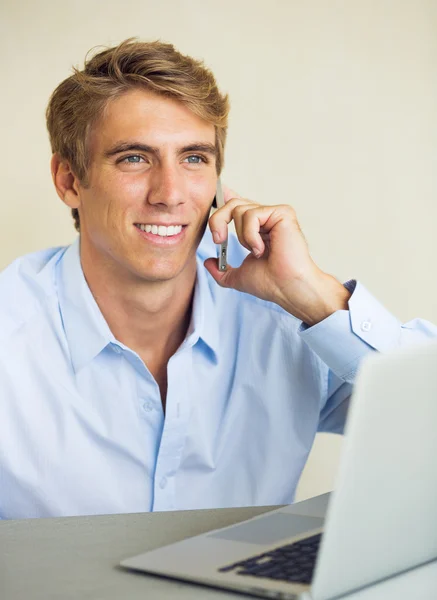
[161, 230]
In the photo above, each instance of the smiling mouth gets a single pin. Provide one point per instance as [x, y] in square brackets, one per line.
[160, 230]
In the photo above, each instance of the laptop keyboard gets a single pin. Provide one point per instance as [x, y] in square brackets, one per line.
[294, 562]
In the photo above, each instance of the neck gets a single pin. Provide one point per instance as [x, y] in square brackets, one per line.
[149, 317]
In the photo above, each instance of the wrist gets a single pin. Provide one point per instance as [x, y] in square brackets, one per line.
[318, 299]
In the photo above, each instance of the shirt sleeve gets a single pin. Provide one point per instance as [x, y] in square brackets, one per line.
[344, 338]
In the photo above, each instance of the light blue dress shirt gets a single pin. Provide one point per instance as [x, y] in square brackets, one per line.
[82, 429]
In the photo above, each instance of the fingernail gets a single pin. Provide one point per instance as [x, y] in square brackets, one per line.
[256, 252]
[215, 237]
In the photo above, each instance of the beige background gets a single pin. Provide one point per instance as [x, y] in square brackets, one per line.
[333, 110]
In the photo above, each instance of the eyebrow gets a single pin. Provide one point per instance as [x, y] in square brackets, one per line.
[138, 147]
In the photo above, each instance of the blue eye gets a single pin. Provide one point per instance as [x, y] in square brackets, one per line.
[133, 159]
[194, 159]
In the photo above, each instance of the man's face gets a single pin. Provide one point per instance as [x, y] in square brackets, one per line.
[151, 182]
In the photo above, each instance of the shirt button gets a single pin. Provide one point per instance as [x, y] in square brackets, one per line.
[366, 326]
[163, 483]
[148, 406]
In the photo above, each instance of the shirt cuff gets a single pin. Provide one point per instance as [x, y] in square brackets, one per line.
[344, 338]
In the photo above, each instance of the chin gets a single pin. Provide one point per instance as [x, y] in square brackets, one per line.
[162, 272]
[157, 277]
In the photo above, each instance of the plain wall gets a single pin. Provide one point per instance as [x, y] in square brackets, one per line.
[333, 111]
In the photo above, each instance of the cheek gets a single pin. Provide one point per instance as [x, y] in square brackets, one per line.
[131, 186]
[203, 194]
[123, 186]
[116, 195]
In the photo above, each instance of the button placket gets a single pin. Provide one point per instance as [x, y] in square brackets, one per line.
[175, 427]
[148, 394]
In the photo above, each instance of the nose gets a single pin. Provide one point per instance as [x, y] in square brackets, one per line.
[166, 187]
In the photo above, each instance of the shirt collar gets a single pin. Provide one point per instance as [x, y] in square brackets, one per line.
[87, 331]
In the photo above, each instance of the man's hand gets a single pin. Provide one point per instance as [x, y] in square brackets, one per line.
[279, 267]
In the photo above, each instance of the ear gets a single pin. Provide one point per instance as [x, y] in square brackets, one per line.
[66, 182]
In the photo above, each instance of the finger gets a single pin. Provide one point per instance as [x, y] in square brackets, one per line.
[228, 194]
[238, 218]
[258, 222]
[223, 278]
[247, 230]
[250, 234]
[270, 217]
[219, 221]
[253, 224]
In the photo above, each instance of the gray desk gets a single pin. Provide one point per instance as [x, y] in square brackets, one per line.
[77, 557]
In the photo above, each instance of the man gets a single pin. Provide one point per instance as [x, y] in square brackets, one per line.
[130, 381]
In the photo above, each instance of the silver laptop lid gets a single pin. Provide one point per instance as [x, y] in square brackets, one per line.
[382, 517]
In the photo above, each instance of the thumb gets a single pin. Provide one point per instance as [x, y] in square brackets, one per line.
[223, 278]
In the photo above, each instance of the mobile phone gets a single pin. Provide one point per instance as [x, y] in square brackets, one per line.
[222, 251]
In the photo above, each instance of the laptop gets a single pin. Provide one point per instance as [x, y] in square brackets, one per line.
[381, 519]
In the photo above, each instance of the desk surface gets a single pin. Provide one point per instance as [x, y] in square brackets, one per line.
[77, 557]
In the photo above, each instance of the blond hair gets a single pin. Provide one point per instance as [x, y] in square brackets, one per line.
[77, 102]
